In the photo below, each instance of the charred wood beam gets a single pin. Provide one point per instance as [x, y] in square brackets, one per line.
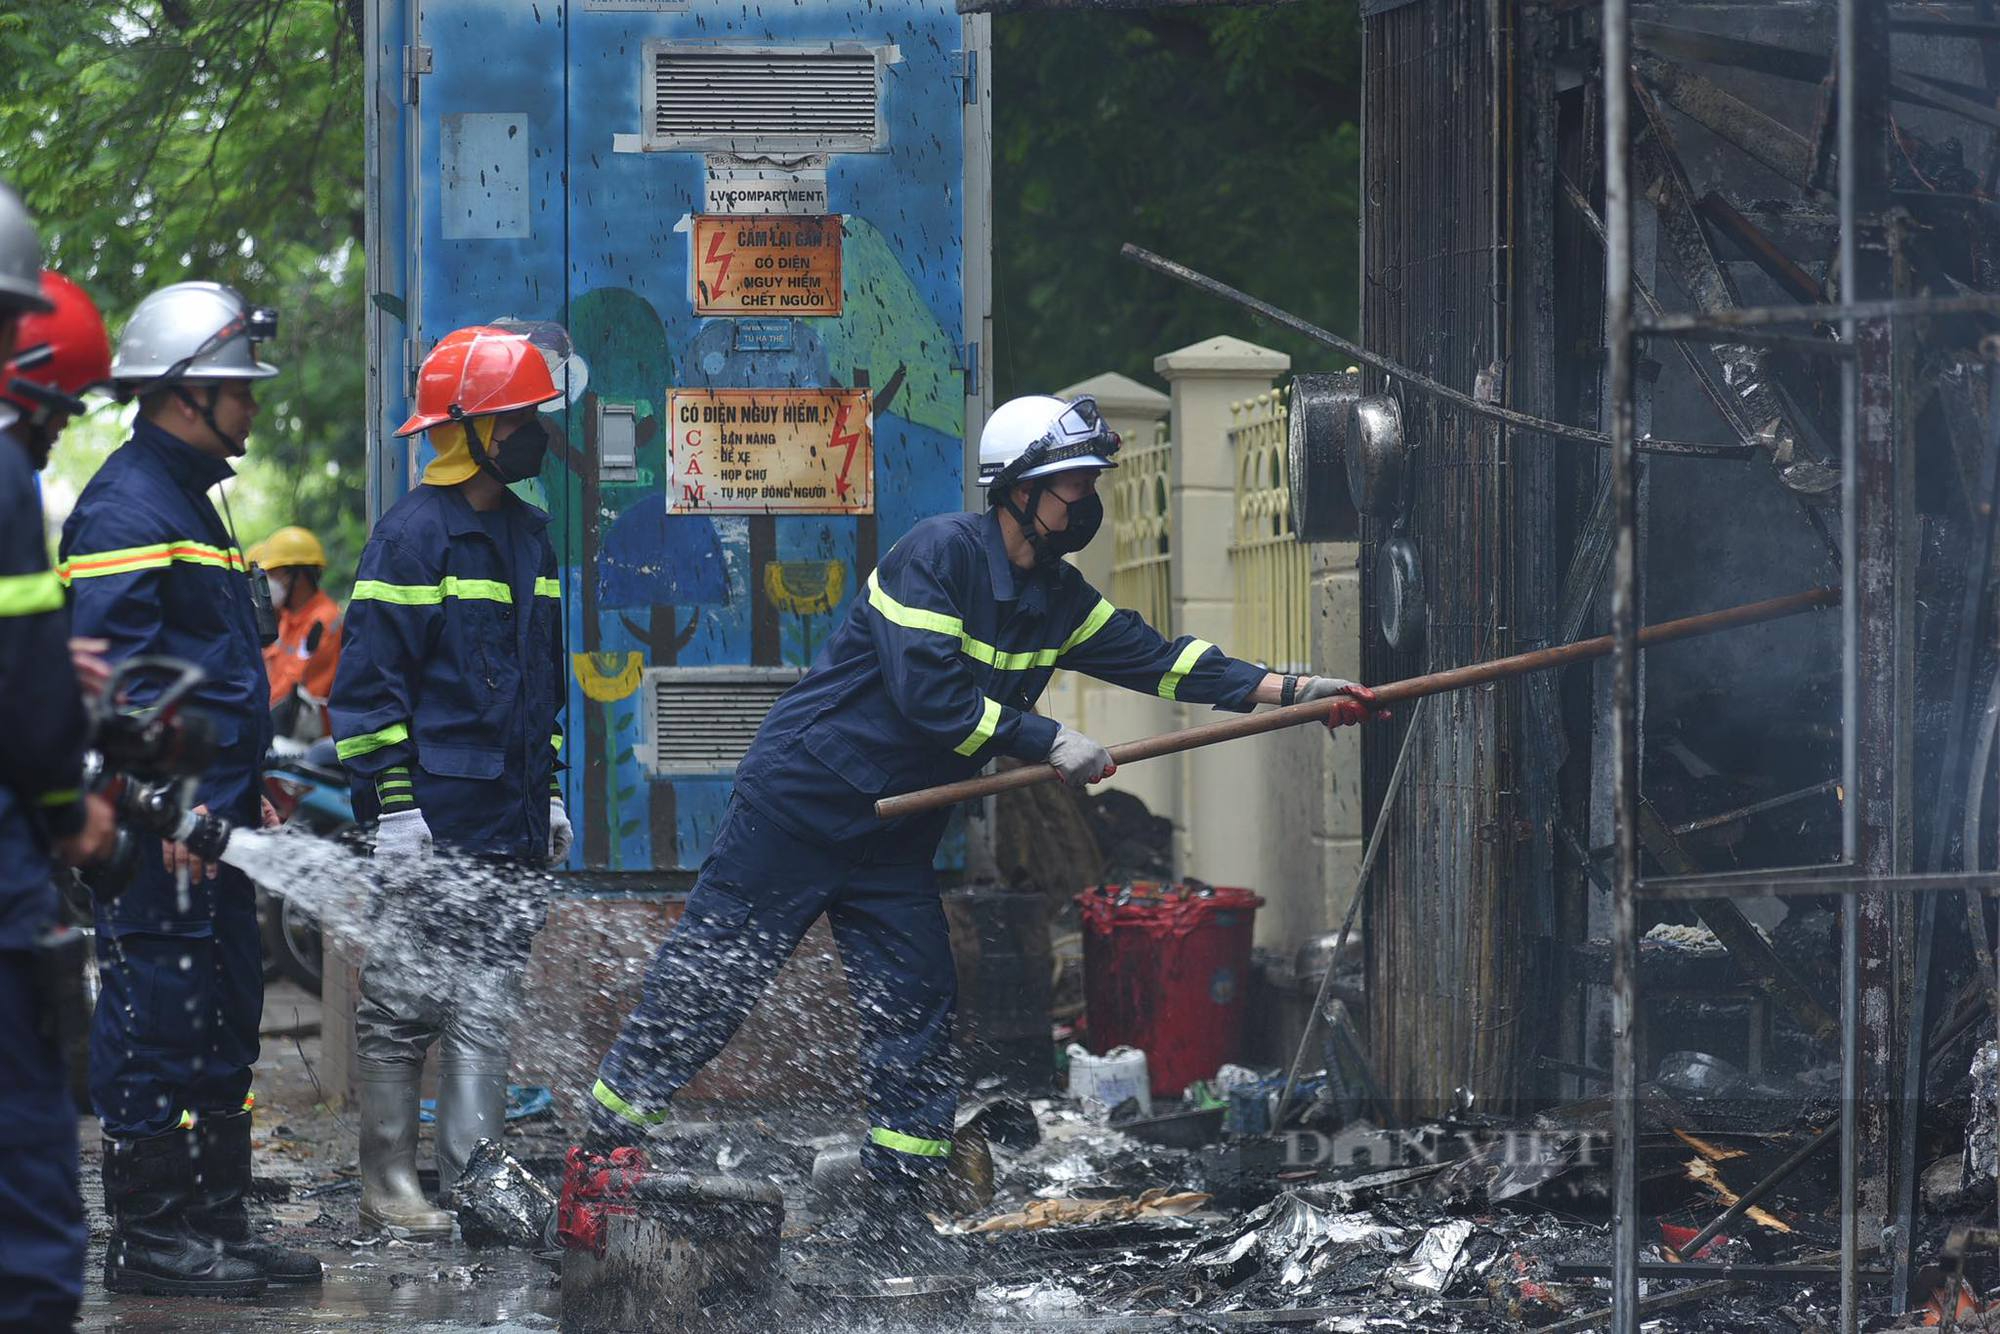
[1416, 379]
[1985, 506]
[1783, 270]
[1746, 945]
[1707, 374]
[1729, 118]
[1755, 1195]
[1656, 162]
[1784, 62]
[1799, 343]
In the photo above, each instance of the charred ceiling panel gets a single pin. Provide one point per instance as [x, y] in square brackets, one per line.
[1446, 940]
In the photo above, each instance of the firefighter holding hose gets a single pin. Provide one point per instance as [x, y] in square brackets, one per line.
[153, 570]
[445, 709]
[933, 673]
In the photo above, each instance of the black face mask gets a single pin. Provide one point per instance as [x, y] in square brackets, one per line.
[519, 457]
[1086, 516]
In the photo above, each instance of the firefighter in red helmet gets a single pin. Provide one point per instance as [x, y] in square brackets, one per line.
[444, 708]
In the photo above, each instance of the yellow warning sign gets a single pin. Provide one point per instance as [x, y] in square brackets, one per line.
[766, 264]
[772, 451]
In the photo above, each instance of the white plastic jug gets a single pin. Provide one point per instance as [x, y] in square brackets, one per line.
[1100, 1083]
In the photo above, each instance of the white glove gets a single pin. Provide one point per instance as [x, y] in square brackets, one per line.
[402, 839]
[561, 835]
[1319, 687]
[1080, 759]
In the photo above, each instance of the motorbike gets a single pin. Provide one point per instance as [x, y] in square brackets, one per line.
[307, 786]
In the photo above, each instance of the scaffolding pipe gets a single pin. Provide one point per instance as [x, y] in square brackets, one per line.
[1846, 57]
[1625, 1309]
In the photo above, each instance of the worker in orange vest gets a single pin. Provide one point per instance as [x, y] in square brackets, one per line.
[301, 662]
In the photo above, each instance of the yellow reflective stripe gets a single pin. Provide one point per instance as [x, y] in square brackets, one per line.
[431, 595]
[1092, 623]
[901, 1143]
[613, 1103]
[556, 741]
[1170, 684]
[917, 618]
[371, 741]
[548, 588]
[912, 618]
[989, 718]
[67, 796]
[249, 1100]
[126, 560]
[186, 1122]
[30, 594]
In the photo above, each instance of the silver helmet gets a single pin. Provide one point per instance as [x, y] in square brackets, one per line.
[193, 331]
[20, 257]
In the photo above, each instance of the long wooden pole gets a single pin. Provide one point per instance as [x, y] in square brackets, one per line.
[1416, 687]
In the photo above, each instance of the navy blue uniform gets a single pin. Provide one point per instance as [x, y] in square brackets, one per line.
[930, 675]
[42, 736]
[152, 569]
[450, 676]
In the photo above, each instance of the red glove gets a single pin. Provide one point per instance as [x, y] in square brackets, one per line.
[594, 1185]
[1356, 705]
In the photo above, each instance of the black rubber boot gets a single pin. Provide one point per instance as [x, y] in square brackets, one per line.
[896, 1237]
[220, 1208]
[148, 1189]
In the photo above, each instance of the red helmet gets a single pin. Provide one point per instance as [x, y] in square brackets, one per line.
[476, 372]
[59, 353]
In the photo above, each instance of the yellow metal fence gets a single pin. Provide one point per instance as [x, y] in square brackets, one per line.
[1140, 527]
[1273, 577]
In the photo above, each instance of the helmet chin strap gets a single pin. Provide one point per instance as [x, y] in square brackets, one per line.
[207, 411]
[1029, 518]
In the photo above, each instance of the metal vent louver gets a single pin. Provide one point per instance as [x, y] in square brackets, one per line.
[700, 720]
[817, 98]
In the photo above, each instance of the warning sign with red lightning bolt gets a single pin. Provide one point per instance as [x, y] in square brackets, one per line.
[719, 261]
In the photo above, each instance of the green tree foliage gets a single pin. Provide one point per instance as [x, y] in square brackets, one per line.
[1225, 138]
[164, 140]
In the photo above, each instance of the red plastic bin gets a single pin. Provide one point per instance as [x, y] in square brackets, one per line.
[1166, 969]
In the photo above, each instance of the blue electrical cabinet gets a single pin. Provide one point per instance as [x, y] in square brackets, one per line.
[752, 241]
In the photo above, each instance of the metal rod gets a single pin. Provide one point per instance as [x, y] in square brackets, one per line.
[1661, 1301]
[1752, 1197]
[1395, 692]
[1888, 308]
[1755, 808]
[1799, 343]
[1807, 883]
[1389, 791]
[1618, 333]
[1748, 1273]
[1945, 27]
[1416, 379]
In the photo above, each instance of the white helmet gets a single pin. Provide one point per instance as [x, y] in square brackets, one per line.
[20, 258]
[193, 331]
[1039, 435]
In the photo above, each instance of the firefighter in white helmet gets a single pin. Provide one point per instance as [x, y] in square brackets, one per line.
[931, 675]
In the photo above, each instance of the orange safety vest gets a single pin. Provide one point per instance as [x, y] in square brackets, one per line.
[300, 658]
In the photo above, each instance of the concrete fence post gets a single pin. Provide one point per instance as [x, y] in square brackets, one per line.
[1221, 824]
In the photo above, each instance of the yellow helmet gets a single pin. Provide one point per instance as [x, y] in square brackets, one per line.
[289, 546]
